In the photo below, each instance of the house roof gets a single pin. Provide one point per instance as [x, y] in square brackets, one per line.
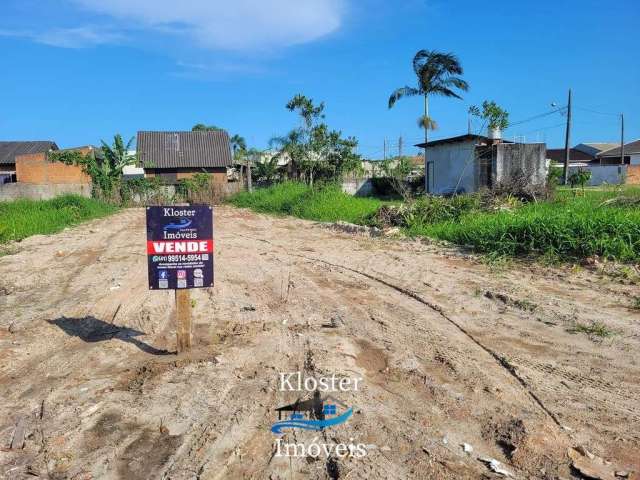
[629, 148]
[557, 155]
[10, 150]
[601, 146]
[184, 149]
[458, 139]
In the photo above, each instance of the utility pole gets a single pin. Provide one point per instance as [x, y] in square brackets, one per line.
[622, 138]
[469, 125]
[249, 183]
[384, 149]
[567, 141]
[400, 146]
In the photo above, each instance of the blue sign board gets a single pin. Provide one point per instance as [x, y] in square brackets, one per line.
[180, 247]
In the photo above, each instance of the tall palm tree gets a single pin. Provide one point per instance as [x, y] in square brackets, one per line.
[438, 74]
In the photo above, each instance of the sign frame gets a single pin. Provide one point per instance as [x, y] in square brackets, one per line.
[180, 247]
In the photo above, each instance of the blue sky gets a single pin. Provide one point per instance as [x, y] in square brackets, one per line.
[77, 71]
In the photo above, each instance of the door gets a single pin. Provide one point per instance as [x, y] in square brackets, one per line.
[430, 179]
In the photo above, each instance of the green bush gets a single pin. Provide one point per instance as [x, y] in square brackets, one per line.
[22, 218]
[326, 203]
[575, 229]
[604, 222]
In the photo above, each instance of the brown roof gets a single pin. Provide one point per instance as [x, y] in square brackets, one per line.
[557, 155]
[184, 149]
[10, 150]
[629, 148]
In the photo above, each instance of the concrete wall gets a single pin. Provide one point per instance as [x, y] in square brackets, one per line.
[13, 191]
[603, 174]
[36, 169]
[360, 187]
[453, 165]
[512, 159]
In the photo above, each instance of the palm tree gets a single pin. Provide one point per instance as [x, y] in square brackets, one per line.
[238, 146]
[427, 123]
[292, 147]
[438, 74]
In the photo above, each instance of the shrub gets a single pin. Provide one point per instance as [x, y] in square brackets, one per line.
[574, 229]
[326, 203]
[22, 218]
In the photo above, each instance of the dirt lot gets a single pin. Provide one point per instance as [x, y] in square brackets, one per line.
[450, 352]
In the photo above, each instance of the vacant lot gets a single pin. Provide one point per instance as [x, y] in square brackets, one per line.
[575, 225]
[520, 365]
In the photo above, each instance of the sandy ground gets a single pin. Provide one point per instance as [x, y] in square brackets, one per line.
[449, 352]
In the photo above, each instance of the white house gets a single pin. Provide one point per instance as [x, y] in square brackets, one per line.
[467, 163]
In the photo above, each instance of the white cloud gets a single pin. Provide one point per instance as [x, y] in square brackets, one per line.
[77, 37]
[230, 25]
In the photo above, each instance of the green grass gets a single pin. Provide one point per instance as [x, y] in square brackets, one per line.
[575, 227]
[326, 204]
[22, 218]
[571, 227]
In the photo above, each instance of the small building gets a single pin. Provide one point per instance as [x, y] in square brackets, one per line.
[631, 160]
[10, 150]
[468, 163]
[556, 155]
[173, 156]
[39, 177]
[603, 160]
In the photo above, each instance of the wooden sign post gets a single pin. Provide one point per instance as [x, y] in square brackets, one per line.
[180, 257]
[183, 320]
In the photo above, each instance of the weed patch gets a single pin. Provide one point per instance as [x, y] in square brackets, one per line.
[326, 204]
[22, 218]
[600, 224]
[595, 329]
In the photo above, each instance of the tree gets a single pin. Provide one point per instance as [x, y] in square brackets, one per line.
[427, 123]
[201, 127]
[238, 146]
[313, 150]
[266, 170]
[580, 177]
[116, 157]
[497, 118]
[438, 74]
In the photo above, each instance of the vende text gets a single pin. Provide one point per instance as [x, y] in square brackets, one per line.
[177, 246]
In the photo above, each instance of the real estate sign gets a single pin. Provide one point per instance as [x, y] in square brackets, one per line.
[180, 247]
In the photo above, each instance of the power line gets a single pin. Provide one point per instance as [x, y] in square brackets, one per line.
[597, 112]
[535, 117]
